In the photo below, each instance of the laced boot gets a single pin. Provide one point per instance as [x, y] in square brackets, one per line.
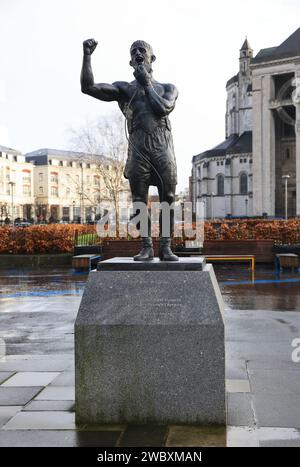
[165, 252]
[147, 252]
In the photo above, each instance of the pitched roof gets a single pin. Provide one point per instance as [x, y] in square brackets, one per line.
[246, 45]
[289, 48]
[9, 150]
[232, 80]
[42, 156]
[235, 144]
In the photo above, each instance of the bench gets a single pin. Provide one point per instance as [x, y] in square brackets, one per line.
[250, 258]
[85, 262]
[286, 260]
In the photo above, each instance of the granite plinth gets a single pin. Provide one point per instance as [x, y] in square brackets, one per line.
[149, 347]
[128, 264]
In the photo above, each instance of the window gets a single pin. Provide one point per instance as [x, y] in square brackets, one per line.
[53, 177]
[220, 185]
[287, 153]
[26, 190]
[41, 176]
[199, 171]
[245, 161]
[96, 180]
[243, 184]
[54, 191]
[41, 189]
[218, 163]
[199, 189]
[26, 178]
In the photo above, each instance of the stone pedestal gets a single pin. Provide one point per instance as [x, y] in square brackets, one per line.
[149, 344]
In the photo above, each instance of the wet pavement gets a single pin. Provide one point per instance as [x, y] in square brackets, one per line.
[266, 289]
[37, 313]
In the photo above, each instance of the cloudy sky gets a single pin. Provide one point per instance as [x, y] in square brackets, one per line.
[196, 44]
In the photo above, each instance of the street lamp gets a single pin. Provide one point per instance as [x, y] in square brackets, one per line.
[73, 212]
[12, 184]
[285, 178]
[212, 204]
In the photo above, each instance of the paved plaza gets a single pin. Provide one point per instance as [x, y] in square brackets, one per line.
[37, 314]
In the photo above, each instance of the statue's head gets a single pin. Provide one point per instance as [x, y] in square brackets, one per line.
[141, 54]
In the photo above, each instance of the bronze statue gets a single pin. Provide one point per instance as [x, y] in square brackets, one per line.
[146, 105]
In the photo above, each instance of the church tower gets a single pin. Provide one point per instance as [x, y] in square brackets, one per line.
[246, 55]
[245, 88]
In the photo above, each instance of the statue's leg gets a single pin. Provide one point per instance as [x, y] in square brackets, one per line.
[166, 224]
[139, 191]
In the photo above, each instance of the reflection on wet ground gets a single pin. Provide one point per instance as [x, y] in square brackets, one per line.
[265, 290]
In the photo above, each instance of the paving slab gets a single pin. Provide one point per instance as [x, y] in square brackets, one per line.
[39, 406]
[141, 435]
[237, 385]
[277, 410]
[66, 378]
[57, 394]
[4, 375]
[275, 381]
[279, 437]
[30, 378]
[195, 436]
[42, 421]
[239, 437]
[35, 365]
[7, 412]
[57, 438]
[239, 410]
[18, 396]
[236, 369]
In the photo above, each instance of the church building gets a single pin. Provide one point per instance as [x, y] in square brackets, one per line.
[246, 174]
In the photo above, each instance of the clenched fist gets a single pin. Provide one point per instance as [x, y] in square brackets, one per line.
[142, 75]
[89, 46]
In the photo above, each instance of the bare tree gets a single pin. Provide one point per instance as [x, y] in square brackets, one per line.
[104, 142]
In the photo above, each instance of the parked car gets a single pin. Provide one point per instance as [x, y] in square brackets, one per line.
[22, 224]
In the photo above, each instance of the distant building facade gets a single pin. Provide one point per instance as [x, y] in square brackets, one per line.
[242, 176]
[16, 186]
[68, 186]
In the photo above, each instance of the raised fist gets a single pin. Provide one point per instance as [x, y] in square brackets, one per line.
[89, 46]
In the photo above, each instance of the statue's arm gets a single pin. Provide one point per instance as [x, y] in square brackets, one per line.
[102, 91]
[162, 105]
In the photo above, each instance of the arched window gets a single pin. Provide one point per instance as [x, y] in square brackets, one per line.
[220, 185]
[243, 184]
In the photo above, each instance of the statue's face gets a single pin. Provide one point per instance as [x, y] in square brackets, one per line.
[141, 55]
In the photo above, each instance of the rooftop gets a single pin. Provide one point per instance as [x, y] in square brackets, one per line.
[42, 156]
[288, 49]
[235, 144]
[9, 150]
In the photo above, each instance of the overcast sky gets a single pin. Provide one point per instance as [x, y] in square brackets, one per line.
[196, 44]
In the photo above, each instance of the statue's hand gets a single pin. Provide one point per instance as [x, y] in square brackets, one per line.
[89, 46]
[142, 75]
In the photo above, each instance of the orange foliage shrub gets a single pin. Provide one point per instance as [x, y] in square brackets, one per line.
[282, 232]
[52, 238]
